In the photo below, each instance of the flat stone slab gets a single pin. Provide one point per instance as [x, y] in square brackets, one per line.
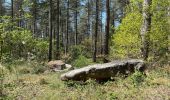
[104, 71]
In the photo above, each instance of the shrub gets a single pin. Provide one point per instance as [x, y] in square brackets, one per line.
[3, 73]
[87, 50]
[81, 61]
[41, 49]
[25, 70]
[113, 96]
[137, 78]
[39, 69]
[76, 51]
[43, 81]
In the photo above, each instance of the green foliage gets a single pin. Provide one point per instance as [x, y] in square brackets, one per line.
[39, 69]
[160, 30]
[41, 49]
[4, 72]
[81, 61]
[25, 70]
[43, 81]
[76, 51]
[113, 96]
[127, 39]
[87, 44]
[137, 78]
[17, 42]
[79, 55]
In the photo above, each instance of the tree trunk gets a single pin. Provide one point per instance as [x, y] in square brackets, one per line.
[12, 10]
[58, 30]
[68, 16]
[34, 17]
[107, 35]
[62, 31]
[88, 18]
[76, 15]
[50, 31]
[101, 30]
[96, 31]
[146, 27]
[1, 8]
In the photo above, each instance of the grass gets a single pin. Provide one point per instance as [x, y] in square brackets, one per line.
[48, 86]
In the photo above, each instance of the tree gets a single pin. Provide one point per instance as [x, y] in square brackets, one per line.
[1, 42]
[67, 29]
[58, 30]
[96, 31]
[88, 17]
[18, 11]
[50, 31]
[34, 14]
[146, 28]
[106, 40]
[3, 9]
[76, 22]
[12, 10]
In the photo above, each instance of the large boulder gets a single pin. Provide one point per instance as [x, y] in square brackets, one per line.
[104, 71]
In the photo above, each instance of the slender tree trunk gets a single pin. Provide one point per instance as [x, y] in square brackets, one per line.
[146, 27]
[50, 31]
[107, 35]
[46, 31]
[1, 8]
[101, 30]
[76, 15]
[113, 22]
[68, 16]
[96, 31]
[62, 31]
[12, 10]
[88, 18]
[34, 17]
[58, 30]
[1, 52]
[1, 42]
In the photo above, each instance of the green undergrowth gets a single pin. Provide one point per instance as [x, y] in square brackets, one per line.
[28, 85]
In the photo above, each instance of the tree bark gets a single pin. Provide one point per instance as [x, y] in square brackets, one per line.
[67, 29]
[12, 10]
[76, 17]
[107, 35]
[34, 17]
[88, 18]
[1, 8]
[58, 30]
[101, 30]
[50, 31]
[96, 31]
[146, 27]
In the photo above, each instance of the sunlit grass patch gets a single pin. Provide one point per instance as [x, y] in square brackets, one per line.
[48, 86]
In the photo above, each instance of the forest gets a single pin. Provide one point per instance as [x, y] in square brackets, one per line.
[84, 49]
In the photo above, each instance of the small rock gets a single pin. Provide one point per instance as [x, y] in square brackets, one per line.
[69, 67]
[59, 66]
[56, 65]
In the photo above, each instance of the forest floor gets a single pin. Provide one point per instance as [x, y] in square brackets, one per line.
[48, 86]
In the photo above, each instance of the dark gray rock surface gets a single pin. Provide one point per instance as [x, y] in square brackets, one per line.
[104, 71]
